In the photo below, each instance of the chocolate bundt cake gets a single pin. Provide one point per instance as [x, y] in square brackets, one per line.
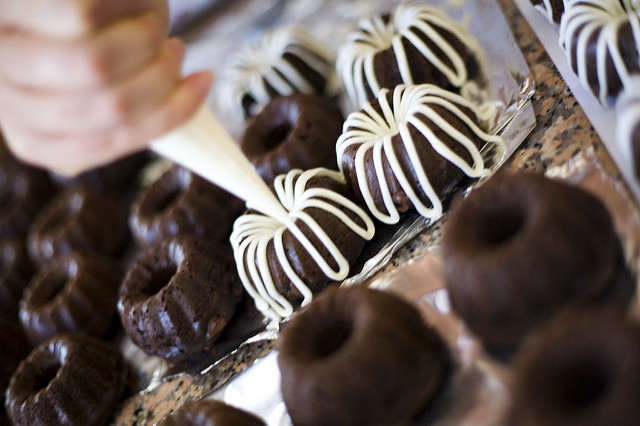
[628, 125]
[181, 202]
[72, 293]
[293, 132]
[79, 219]
[178, 297]
[121, 176]
[601, 39]
[70, 379]
[551, 9]
[15, 272]
[211, 412]
[359, 356]
[24, 191]
[285, 263]
[416, 43]
[283, 61]
[521, 247]
[412, 147]
[581, 369]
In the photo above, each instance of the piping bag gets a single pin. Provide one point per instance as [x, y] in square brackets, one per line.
[203, 146]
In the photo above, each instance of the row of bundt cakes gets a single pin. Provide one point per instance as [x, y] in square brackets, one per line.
[601, 40]
[409, 145]
[60, 295]
[534, 268]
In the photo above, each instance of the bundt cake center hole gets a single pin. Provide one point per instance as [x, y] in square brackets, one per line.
[46, 375]
[580, 386]
[160, 277]
[277, 135]
[500, 226]
[330, 339]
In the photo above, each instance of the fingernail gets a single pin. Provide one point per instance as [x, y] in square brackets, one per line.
[202, 81]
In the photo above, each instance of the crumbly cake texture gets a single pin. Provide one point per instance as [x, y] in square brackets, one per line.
[412, 147]
[601, 39]
[179, 296]
[282, 263]
[416, 43]
[283, 61]
[69, 379]
[520, 248]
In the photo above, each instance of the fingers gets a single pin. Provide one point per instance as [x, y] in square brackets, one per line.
[44, 63]
[99, 108]
[73, 153]
[67, 18]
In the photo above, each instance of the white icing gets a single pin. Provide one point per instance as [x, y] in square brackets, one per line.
[628, 120]
[546, 9]
[410, 21]
[372, 132]
[261, 64]
[203, 146]
[605, 16]
[253, 232]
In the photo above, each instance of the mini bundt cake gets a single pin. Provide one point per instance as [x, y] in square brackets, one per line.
[521, 247]
[72, 293]
[79, 219]
[211, 412]
[280, 263]
[181, 202]
[283, 61]
[71, 379]
[358, 356]
[628, 125]
[293, 132]
[601, 39]
[551, 9]
[178, 297]
[581, 369]
[24, 191]
[412, 147]
[416, 43]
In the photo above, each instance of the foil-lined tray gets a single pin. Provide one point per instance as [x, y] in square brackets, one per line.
[509, 88]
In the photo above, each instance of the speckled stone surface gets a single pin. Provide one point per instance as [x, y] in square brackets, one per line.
[562, 128]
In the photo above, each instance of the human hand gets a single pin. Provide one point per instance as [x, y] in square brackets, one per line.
[84, 82]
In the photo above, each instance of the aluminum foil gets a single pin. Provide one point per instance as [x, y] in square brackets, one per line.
[509, 88]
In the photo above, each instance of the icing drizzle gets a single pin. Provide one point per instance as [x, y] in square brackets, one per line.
[372, 132]
[546, 8]
[584, 19]
[628, 122]
[412, 21]
[252, 233]
[261, 65]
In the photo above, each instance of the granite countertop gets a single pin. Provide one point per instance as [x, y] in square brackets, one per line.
[562, 129]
